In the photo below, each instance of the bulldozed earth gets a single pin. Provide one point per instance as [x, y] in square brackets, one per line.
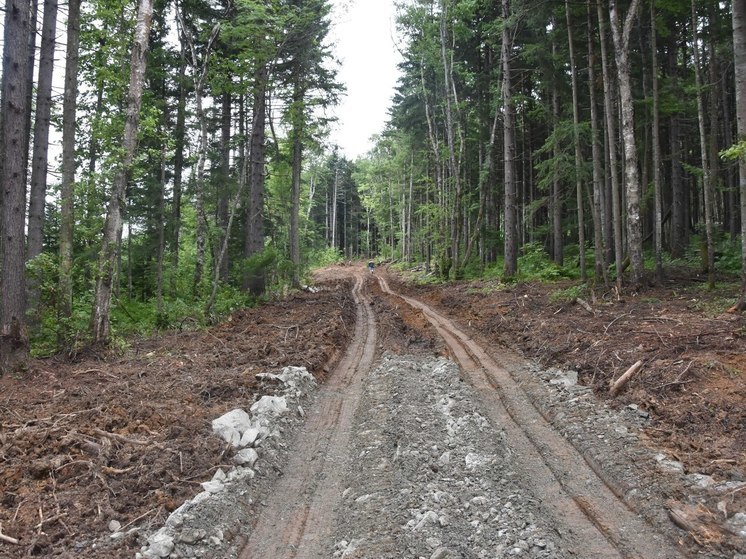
[104, 444]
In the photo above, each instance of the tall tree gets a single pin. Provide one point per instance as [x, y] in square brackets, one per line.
[576, 142]
[39, 160]
[509, 146]
[739, 55]
[67, 188]
[113, 225]
[41, 131]
[621, 37]
[14, 343]
[706, 174]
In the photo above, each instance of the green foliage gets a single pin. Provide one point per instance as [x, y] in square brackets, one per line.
[322, 257]
[735, 152]
[568, 294]
[535, 264]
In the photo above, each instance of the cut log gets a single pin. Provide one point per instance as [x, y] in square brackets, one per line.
[618, 384]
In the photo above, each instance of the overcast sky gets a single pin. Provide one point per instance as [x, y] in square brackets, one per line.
[363, 35]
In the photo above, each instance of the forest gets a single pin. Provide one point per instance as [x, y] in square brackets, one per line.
[166, 163]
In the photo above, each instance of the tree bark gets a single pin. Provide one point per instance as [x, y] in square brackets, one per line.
[576, 141]
[739, 55]
[555, 202]
[40, 155]
[179, 135]
[14, 343]
[67, 188]
[657, 186]
[611, 140]
[113, 224]
[706, 176]
[223, 185]
[596, 154]
[620, 36]
[511, 211]
[297, 139]
[254, 281]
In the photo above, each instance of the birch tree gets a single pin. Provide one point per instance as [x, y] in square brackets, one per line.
[621, 38]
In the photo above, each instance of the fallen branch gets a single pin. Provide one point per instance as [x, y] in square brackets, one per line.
[617, 385]
[585, 305]
[7, 539]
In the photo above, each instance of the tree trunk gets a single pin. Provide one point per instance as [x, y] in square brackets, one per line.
[739, 55]
[596, 154]
[254, 281]
[179, 135]
[620, 36]
[706, 176]
[511, 211]
[223, 184]
[67, 188]
[555, 203]
[657, 186]
[14, 344]
[117, 201]
[578, 156]
[454, 159]
[41, 147]
[295, 198]
[611, 141]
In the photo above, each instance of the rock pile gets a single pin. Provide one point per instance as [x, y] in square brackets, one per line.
[198, 527]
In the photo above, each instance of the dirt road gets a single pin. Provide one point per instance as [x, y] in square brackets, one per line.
[395, 477]
[417, 433]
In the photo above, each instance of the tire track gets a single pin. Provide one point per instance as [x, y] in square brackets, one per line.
[592, 521]
[298, 519]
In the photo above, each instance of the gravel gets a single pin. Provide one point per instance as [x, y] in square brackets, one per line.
[431, 476]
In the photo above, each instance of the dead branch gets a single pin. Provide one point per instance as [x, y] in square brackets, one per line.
[124, 439]
[617, 385]
[606, 328]
[7, 539]
[585, 305]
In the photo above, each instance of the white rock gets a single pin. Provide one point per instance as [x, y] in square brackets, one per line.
[219, 475]
[231, 426]
[430, 517]
[246, 457]
[114, 526]
[270, 405]
[212, 486]
[161, 545]
[440, 553]
[249, 437]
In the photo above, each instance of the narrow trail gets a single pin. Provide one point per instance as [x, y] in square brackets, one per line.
[299, 517]
[592, 520]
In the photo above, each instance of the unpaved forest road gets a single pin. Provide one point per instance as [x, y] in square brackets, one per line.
[407, 444]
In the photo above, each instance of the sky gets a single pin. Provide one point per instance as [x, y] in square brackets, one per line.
[363, 37]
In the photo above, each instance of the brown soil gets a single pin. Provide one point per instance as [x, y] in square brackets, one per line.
[127, 437]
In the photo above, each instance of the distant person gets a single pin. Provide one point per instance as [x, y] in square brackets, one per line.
[371, 265]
